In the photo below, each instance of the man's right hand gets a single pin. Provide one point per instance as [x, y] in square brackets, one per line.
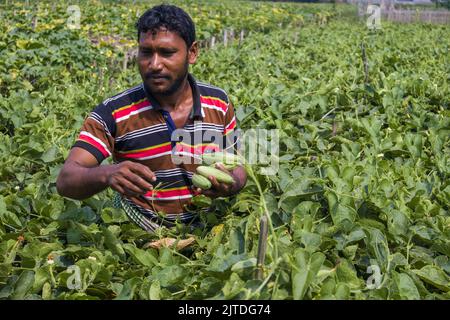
[130, 178]
[81, 176]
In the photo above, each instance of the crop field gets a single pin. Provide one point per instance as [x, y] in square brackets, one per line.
[359, 205]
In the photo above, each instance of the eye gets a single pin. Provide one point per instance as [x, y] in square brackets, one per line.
[145, 52]
[167, 53]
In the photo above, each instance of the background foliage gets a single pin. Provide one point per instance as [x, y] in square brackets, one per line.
[364, 161]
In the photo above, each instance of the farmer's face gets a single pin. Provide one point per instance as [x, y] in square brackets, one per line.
[163, 60]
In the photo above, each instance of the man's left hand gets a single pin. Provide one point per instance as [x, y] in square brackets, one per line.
[220, 189]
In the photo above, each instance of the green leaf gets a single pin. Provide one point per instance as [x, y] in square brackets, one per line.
[6, 291]
[201, 201]
[73, 235]
[128, 289]
[113, 244]
[346, 273]
[223, 264]
[398, 223]
[310, 240]
[434, 276]
[300, 283]
[233, 286]
[46, 291]
[342, 291]
[343, 216]
[305, 208]
[7, 216]
[237, 241]
[23, 285]
[41, 277]
[378, 246]
[155, 290]
[308, 267]
[327, 289]
[77, 296]
[300, 188]
[112, 215]
[406, 287]
[22, 44]
[171, 275]
[350, 251]
[140, 256]
[356, 235]
[244, 264]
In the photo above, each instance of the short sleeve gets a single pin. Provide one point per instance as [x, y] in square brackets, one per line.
[97, 133]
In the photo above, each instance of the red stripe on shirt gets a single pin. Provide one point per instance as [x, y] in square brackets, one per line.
[146, 153]
[196, 150]
[214, 102]
[169, 193]
[231, 126]
[94, 143]
[133, 107]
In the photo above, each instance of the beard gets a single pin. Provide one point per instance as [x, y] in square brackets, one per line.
[174, 86]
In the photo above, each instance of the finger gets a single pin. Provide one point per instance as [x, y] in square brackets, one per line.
[139, 182]
[119, 189]
[126, 185]
[221, 167]
[224, 188]
[220, 189]
[130, 193]
[209, 193]
[197, 191]
[143, 171]
[215, 184]
[124, 191]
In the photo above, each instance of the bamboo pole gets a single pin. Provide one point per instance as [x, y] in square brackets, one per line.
[225, 37]
[366, 64]
[262, 247]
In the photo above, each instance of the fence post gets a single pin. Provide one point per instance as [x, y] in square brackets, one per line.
[262, 247]
[225, 37]
[241, 37]
[125, 62]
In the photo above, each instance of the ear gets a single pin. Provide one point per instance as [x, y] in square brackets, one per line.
[193, 53]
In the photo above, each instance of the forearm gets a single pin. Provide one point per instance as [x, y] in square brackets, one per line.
[77, 182]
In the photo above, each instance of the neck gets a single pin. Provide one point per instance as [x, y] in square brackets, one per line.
[173, 101]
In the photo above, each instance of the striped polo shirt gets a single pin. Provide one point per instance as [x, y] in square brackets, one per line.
[133, 126]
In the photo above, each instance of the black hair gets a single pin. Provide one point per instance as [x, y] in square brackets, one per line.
[170, 17]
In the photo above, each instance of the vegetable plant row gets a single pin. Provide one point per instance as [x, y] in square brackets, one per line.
[359, 208]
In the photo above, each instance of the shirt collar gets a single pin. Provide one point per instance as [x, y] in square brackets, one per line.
[197, 107]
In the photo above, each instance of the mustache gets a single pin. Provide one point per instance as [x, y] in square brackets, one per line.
[156, 76]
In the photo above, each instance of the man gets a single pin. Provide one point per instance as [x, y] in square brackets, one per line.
[141, 129]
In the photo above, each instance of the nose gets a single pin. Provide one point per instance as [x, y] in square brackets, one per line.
[155, 64]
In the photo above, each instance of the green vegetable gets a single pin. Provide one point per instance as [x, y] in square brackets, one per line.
[219, 175]
[229, 160]
[201, 182]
